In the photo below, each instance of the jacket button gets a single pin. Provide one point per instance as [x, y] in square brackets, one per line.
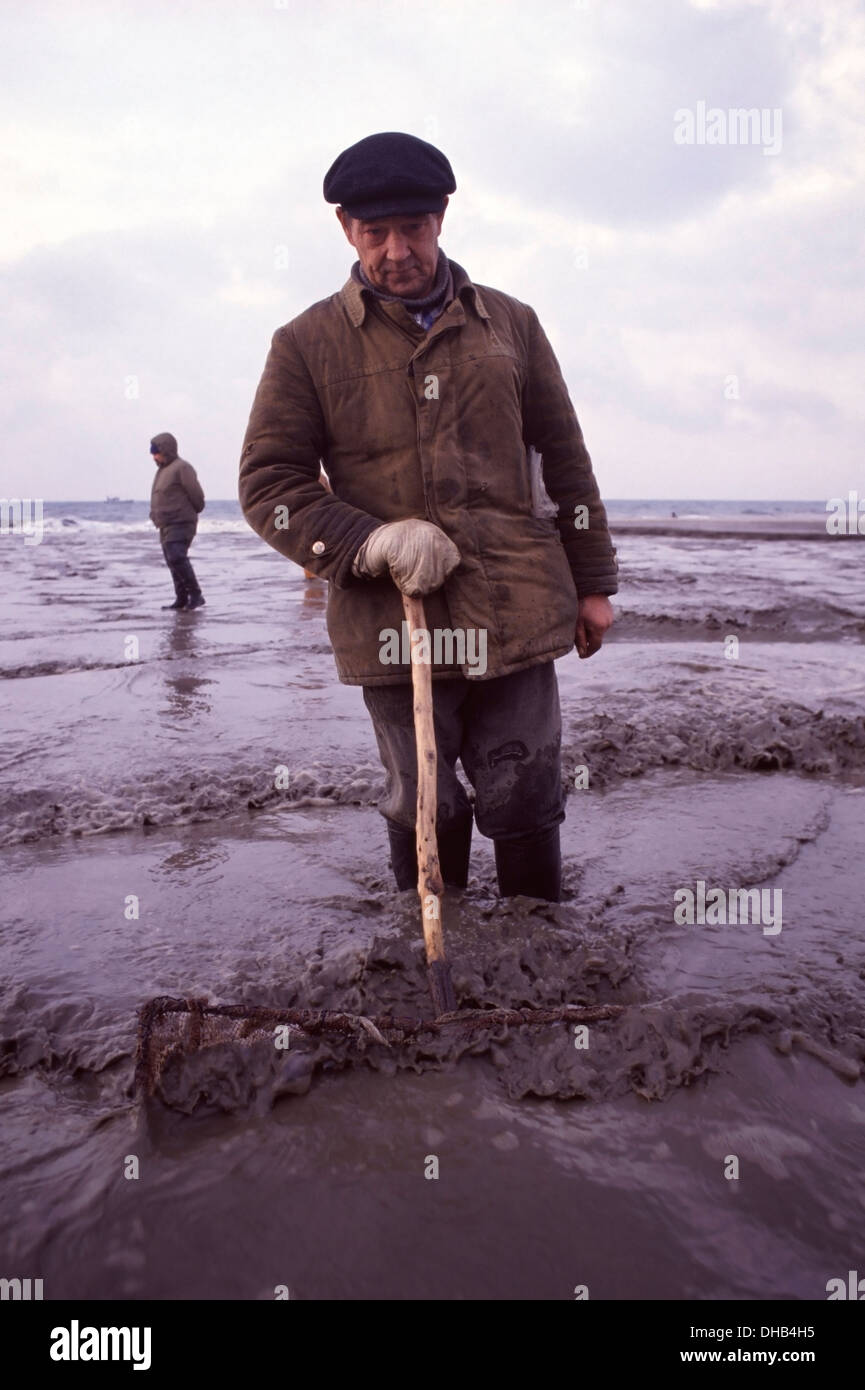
[318, 548]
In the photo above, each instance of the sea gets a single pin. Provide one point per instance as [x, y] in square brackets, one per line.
[188, 809]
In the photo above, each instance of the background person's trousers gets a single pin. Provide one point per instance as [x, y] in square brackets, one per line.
[176, 540]
[506, 733]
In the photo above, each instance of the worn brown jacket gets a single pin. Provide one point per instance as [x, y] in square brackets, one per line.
[433, 424]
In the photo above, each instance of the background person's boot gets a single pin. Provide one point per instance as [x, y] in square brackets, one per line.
[180, 602]
[531, 864]
[196, 600]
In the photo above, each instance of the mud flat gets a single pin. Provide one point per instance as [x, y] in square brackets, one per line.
[557, 1165]
[151, 849]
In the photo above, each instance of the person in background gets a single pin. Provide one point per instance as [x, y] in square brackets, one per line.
[176, 499]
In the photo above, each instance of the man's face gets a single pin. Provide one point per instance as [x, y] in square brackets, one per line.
[158, 458]
[397, 254]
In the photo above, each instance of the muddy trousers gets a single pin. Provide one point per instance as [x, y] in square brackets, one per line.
[506, 733]
[176, 541]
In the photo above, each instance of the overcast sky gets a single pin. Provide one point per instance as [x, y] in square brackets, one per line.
[162, 168]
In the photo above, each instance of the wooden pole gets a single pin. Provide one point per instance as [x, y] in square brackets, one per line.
[429, 884]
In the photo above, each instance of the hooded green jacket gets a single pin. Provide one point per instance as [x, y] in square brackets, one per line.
[176, 496]
[444, 425]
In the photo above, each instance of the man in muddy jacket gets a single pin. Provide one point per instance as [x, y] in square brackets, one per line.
[459, 472]
[176, 499]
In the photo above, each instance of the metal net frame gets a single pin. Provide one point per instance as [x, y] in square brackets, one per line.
[169, 1026]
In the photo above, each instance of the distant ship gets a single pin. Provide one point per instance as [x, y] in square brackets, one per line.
[119, 499]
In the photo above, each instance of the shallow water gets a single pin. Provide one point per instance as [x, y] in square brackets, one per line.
[558, 1165]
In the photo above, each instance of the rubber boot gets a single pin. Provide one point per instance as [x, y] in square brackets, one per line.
[196, 600]
[403, 855]
[181, 596]
[531, 864]
[454, 847]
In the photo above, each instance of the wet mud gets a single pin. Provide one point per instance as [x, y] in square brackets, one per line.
[200, 823]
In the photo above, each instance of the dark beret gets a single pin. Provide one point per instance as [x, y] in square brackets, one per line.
[389, 173]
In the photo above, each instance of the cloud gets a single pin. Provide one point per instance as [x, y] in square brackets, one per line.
[165, 167]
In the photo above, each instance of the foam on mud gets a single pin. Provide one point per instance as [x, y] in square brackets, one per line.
[615, 746]
[192, 796]
[705, 738]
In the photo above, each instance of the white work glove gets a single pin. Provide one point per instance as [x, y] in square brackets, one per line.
[418, 555]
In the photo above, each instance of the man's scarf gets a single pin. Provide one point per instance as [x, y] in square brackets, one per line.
[425, 310]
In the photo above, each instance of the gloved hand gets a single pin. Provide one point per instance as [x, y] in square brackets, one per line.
[418, 555]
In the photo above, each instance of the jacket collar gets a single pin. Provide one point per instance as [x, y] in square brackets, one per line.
[355, 297]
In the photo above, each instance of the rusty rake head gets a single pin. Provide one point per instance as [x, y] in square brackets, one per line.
[169, 1027]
